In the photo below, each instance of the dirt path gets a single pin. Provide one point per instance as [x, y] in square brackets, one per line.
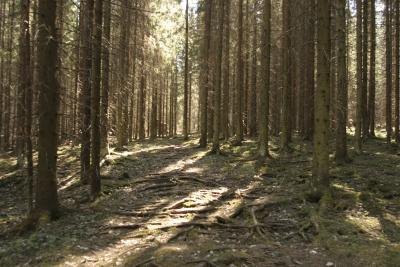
[167, 203]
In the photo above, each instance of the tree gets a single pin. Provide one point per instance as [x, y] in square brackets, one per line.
[204, 79]
[287, 76]
[85, 79]
[310, 70]
[342, 102]
[372, 68]
[320, 177]
[105, 82]
[265, 76]
[397, 71]
[359, 74]
[252, 101]
[218, 79]
[186, 78]
[25, 96]
[239, 80]
[95, 181]
[48, 87]
[364, 110]
[388, 27]
[226, 72]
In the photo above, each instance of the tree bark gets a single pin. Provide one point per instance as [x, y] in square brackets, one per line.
[388, 26]
[265, 76]
[46, 197]
[342, 96]
[204, 74]
[372, 75]
[320, 178]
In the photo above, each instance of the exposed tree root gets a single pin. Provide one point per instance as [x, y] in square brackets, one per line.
[145, 262]
[209, 263]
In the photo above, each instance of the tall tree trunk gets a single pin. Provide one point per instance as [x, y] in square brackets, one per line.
[359, 77]
[46, 197]
[2, 87]
[320, 178]
[95, 181]
[239, 80]
[397, 71]
[252, 103]
[310, 71]
[7, 95]
[85, 97]
[105, 81]
[342, 94]
[287, 76]
[204, 79]
[265, 76]
[26, 90]
[388, 23]
[186, 78]
[364, 106]
[226, 72]
[24, 71]
[372, 75]
[218, 80]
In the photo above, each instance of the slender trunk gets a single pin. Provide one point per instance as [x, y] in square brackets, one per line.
[239, 79]
[186, 78]
[252, 103]
[372, 75]
[264, 90]
[388, 17]
[342, 102]
[226, 72]
[204, 79]
[95, 181]
[105, 82]
[359, 77]
[397, 71]
[287, 76]
[364, 110]
[218, 80]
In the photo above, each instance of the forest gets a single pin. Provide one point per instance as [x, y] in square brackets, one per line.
[162, 133]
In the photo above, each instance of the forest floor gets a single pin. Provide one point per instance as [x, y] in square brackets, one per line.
[168, 203]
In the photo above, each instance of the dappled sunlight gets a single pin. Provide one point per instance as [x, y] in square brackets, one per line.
[368, 224]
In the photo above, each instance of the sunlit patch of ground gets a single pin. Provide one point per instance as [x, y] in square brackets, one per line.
[168, 203]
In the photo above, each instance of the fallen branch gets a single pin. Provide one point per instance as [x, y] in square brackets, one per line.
[125, 226]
